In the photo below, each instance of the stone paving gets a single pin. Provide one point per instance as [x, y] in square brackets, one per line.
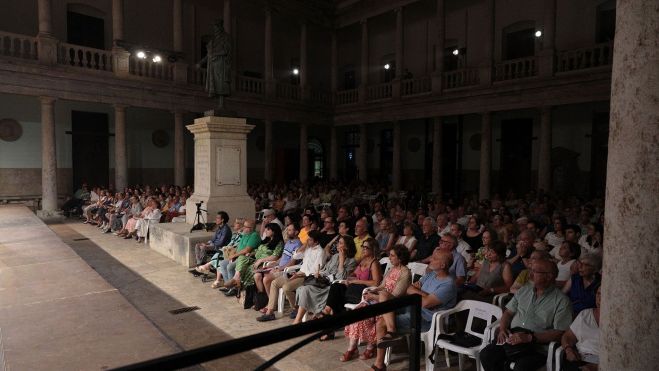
[155, 284]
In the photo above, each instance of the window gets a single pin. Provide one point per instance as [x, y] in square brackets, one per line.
[520, 44]
[85, 30]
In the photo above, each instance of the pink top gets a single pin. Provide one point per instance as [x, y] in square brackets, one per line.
[363, 274]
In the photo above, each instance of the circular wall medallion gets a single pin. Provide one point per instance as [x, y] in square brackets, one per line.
[475, 142]
[413, 144]
[10, 130]
[160, 138]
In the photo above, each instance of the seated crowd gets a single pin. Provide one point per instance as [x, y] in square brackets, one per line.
[329, 244]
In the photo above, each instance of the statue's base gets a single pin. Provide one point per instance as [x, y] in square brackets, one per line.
[221, 113]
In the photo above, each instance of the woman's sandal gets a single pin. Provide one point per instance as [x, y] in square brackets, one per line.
[216, 284]
[368, 353]
[376, 368]
[348, 355]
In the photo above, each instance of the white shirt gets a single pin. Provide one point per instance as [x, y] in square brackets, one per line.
[462, 249]
[564, 270]
[313, 260]
[442, 231]
[409, 243]
[587, 331]
[587, 248]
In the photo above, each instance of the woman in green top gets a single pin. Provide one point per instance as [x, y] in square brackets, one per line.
[270, 249]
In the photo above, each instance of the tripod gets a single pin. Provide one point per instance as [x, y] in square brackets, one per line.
[198, 223]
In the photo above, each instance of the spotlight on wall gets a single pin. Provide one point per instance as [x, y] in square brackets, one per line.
[387, 66]
[456, 51]
[141, 55]
[296, 71]
[538, 33]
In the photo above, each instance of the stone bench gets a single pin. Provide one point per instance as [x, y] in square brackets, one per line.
[175, 241]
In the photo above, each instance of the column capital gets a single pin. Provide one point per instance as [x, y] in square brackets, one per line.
[47, 100]
[120, 106]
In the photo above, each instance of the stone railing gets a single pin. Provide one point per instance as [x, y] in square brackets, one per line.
[347, 96]
[18, 46]
[288, 91]
[379, 91]
[515, 69]
[147, 68]
[460, 78]
[84, 57]
[320, 96]
[196, 76]
[250, 85]
[410, 87]
[579, 59]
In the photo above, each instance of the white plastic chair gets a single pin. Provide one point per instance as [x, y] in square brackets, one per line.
[417, 268]
[282, 297]
[387, 263]
[477, 309]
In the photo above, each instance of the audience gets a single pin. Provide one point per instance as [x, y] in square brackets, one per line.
[581, 341]
[582, 286]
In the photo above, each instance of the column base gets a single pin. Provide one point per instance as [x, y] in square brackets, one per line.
[50, 215]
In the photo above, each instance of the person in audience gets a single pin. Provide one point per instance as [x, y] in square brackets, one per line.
[479, 256]
[555, 238]
[428, 240]
[142, 225]
[457, 230]
[494, 277]
[367, 273]
[591, 241]
[385, 236]
[236, 236]
[537, 315]
[331, 247]
[361, 235]
[474, 234]
[270, 250]
[328, 232]
[269, 216]
[220, 239]
[395, 284]
[438, 292]
[131, 225]
[524, 276]
[135, 211]
[500, 228]
[77, 200]
[581, 342]
[343, 215]
[313, 297]
[448, 243]
[582, 286]
[304, 230]
[265, 276]
[408, 239]
[522, 251]
[312, 261]
[443, 224]
[120, 204]
[249, 241]
[95, 202]
[568, 253]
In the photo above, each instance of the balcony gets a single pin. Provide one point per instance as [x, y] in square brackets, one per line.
[460, 78]
[516, 69]
[416, 87]
[83, 57]
[379, 92]
[600, 55]
[18, 46]
[349, 96]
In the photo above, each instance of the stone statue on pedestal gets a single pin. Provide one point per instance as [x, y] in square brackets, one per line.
[218, 64]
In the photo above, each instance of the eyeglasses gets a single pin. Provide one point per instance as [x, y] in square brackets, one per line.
[365, 246]
[540, 272]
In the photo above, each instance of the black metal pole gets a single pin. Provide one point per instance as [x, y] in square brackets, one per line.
[415, 339]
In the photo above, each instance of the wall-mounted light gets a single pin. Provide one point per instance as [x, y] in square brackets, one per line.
[455, 51]
[141, 55]
[296, 71]
[538, 33]
[387, 66]
[156, 59]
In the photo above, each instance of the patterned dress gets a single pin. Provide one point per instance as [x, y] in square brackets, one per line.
[364, 331]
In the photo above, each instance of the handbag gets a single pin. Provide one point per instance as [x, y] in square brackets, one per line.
[247, 298]
[321, 281]
[514, 351]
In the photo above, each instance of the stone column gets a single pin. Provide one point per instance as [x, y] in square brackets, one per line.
[120, 57]
[437, 157]
[362, 164]
[629, 340]
[544, 156]
[396, 83]
[334, 73]
[120, 148]
[303, 61]
[396, 163]
[364, 62]
[178, 26]
[47, 44]
[268, 67]
[486, 69]
[268, 171]
[226, 15]
[486, 156]
[179, 149]
[333, 155]
[437, 76]
[546, 54]
[304, 157]
[48, 159]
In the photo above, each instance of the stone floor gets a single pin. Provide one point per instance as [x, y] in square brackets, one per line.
[151, 285]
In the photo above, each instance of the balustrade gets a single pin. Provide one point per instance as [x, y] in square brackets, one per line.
[379, 91]
[347, 96]
[460, 78]
[418, 86]
[288, 91]
[84, 57]
[250, 85]
[516, 69]
[320, 96]
[147, 68]
[18, 46]
[578, 59]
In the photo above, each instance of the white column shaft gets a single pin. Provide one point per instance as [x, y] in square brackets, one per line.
[178, 25]
[120, 148]
[117, 20]
[48, 155]
[45, 17]
[399, 43]
[179, 149]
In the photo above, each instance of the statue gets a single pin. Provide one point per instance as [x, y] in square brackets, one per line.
[218, 64]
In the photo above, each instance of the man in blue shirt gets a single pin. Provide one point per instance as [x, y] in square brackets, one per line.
[438, 292]
[221, 237]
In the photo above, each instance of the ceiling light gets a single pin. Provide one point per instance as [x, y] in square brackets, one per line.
[387, 66]
[296, 71]
[538, 33]
[141, 55]
[456, 51]
[157, 59]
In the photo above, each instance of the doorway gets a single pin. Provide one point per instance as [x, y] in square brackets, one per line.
[85, 30]
[91, 159]
[516, 145]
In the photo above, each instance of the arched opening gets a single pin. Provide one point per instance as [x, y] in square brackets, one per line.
[85, 26]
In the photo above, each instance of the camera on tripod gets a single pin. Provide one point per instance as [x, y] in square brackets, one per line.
[199, 204]
[198, 223]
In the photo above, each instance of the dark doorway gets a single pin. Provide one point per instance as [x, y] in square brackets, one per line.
[287, 165]
[516, 142]
[449, 157]
[386, 154]
[599, 151]
[606, 22]
[349, 80]
[85, 30]
[90, 148]
[352, 143]
[519, 44]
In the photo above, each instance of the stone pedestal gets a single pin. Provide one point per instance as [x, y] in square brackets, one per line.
[47, 49]
[120, 61]
[220, 174]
